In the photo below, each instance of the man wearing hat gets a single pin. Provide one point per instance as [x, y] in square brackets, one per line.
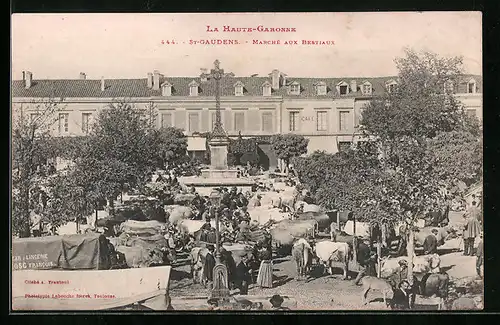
[206, 229]
[243, 276]
[472, 228]
[208, 268]
[364, 259]
[276, 302]
[400, 274]
[245, 215]
[431, 243]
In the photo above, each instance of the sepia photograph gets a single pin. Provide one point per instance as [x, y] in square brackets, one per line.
[265, 162]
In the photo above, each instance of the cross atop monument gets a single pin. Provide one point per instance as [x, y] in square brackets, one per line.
[217, 74]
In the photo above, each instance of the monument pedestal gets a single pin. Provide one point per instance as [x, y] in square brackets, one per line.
[219, 174]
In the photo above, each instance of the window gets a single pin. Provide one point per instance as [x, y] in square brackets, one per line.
[343, 89]
[239, 121]
[238, 91]
[194, 122]
[471, 112]
[295, 89]
[321, 121]
[166, 120]
[448, 87]
[294, 121]
[391, 88]
[193, 90]
[367, 89]
[33, 118]
[266, 91]
[321, 89]
[267, 122]
[63, 123]
[471, 87]
[166, 90]
[344, 145]
[344, 121]
[214, 117]
[85, 122]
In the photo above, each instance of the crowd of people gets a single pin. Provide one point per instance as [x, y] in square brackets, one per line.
[233, 211]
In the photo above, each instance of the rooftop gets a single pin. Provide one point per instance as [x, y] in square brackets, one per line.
[116, 88]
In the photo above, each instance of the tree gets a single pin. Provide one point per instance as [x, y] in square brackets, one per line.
[421, 106]
[121, 149]
[69, 200]
[458, 156]
[31, 131]
[410, 125]
[242, 151]
[287, 146]
[420, 139]
[172, 145]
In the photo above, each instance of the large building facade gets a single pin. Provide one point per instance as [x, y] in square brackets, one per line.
[325, 110]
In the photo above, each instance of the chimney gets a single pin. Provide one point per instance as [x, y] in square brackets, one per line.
[283, 76]
[203, 75]
[156, 80]
[83, 76]
[28, 79]
[150, 80]
[103, 86]
[354, 86]
[24, 75]
[275, 75]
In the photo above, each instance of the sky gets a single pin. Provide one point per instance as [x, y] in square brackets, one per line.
[55, 46]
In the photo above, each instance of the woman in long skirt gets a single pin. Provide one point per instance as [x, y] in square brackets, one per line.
[265, 276]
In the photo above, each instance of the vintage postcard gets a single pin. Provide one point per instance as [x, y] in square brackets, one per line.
[247, 161]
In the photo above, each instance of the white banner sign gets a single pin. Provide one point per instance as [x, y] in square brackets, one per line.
[86, 290]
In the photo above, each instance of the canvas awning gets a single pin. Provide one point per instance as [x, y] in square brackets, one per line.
[197, 144]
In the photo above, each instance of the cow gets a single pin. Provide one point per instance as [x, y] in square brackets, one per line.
[197, 256]
[371, 283]
[284, 201]
[467, 303]
[301, 254]
[432, 284]
[307, 207]
[322, 218]
[332, 254]
[421, 264]
[178, 212]
[438, 218]
[422, 233]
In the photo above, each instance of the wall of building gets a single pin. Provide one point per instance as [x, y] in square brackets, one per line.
[253, 116]
[473, 103]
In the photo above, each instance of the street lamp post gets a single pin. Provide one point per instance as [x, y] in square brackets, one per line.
[215, 198]
[220, 288]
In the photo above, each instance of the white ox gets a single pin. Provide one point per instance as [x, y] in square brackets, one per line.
[263, 214]
[178, 212]
[421, 264]
[278, 199]
[332, 255]
[197, 257]
[308, 207]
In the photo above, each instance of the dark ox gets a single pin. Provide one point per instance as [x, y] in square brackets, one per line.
[322, 218]
[430, 284]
